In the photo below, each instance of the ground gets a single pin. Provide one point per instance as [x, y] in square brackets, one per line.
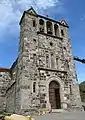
[63, 116]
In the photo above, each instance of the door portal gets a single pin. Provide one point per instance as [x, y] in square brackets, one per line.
[54, 95]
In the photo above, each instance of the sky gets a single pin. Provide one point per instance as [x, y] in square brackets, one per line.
[73, 11]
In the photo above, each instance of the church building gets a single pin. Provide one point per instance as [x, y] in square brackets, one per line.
[43, 76]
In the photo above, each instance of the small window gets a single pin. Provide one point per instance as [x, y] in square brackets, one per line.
[34, 59]
[0, 75]
[52, 61]
[83, 91]
[47, 60]
[62, 32]
[51, 44]
[57, 62]
[66, 65]
[70, 90]
[33, 23]
[34, 40]
[64, 48]
[56, 30]
[34, 87]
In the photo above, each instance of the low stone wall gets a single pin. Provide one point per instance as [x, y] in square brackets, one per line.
[4, 79]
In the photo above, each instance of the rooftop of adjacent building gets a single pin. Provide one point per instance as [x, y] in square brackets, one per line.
[2, 69]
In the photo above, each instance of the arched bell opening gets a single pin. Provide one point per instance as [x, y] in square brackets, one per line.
[56, 30]
[49, 27]
[41, 25]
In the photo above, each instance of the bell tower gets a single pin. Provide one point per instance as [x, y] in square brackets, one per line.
[45, 59]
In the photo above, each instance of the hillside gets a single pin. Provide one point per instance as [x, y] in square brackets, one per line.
[82, 91]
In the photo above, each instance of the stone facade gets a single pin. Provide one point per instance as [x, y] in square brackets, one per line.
[4, 80]
[43, 76]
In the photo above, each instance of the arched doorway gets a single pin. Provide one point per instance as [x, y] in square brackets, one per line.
[54, 95]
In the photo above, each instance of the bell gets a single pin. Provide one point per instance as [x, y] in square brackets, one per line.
[49, 29]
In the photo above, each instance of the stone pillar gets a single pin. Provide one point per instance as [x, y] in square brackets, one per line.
[48, 106]
[45, 27]
[53, 29]
[37, 24]
[59, 30]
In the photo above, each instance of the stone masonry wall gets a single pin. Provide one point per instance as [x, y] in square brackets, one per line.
[75, 101]
[29, 70]
[4, 79]
[13, 92]
[10, 99]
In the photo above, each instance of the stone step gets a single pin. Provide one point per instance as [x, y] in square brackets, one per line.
[58, 110]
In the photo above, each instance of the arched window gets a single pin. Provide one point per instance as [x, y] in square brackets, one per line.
[70, 89]
[62, 32]
[34, 87]
[56, 30]
[66, 65]
[34, 59]
[57, 62]
[49, 27]
[34, 23]
[52, 61]
[41, 23]
[47, 60]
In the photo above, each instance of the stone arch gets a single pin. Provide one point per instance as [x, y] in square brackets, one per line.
[41, 25]
[53, 85]
[61, 85]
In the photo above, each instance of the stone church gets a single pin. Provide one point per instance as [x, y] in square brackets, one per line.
[43, 75]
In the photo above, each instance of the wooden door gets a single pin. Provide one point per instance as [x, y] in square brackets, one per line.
[57, 95]
[54, 95]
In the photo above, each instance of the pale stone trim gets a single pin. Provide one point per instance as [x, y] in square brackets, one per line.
[61, 83]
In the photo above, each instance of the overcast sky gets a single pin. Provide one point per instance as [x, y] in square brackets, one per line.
[73, 11]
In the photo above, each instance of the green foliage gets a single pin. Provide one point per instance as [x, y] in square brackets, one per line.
[4, 113]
